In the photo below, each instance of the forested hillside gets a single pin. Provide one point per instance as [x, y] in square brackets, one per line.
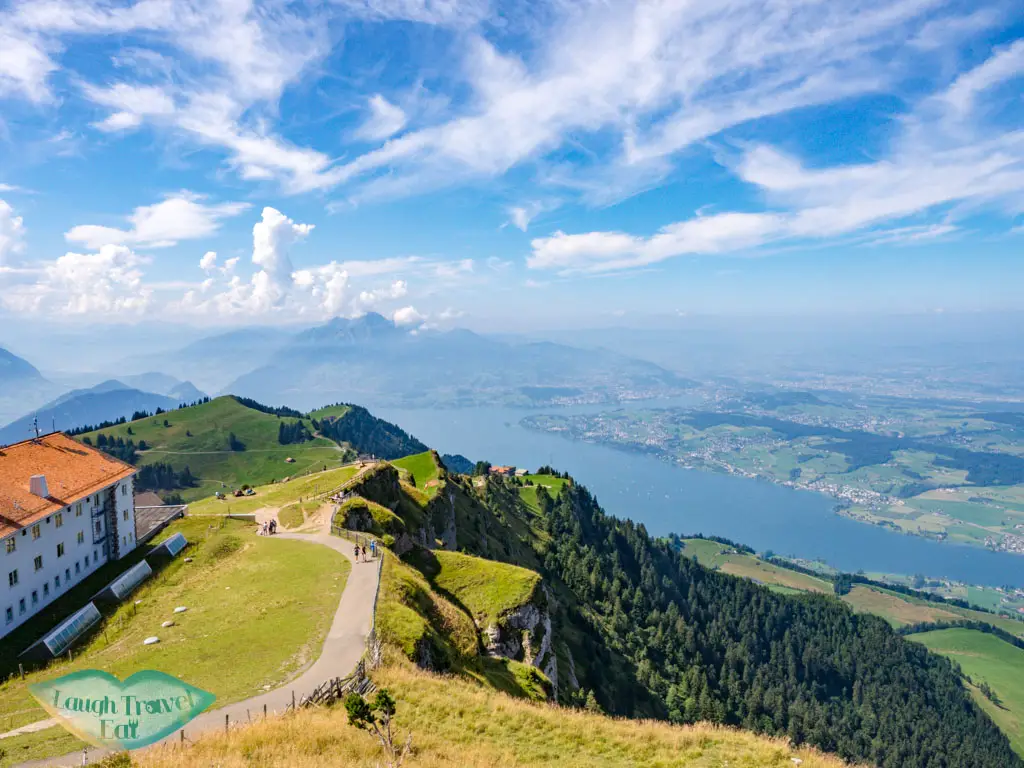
[719, 648]
[644, 630]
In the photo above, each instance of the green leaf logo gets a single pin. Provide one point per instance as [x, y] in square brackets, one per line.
[100, 709]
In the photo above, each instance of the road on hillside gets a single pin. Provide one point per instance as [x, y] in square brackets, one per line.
[343, 647]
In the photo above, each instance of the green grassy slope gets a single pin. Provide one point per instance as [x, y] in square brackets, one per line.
[197, 438]
[237, 637]
[423, 471]
[427, 628]
[277, 495]
[986, 658]
[487, 589]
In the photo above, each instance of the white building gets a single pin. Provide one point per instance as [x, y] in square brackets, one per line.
[65, 510]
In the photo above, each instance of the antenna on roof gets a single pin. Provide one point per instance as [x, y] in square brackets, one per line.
[35, 425]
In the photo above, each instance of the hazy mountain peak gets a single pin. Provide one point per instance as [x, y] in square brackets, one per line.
[13, 368]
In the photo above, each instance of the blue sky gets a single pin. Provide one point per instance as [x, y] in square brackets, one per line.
[502, 165]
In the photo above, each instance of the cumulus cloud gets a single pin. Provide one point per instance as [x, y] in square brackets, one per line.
[178, 217]
[271, 239]
[328, 290]
[12, 232]
[108, 282]
[407, 317]
[209, 261]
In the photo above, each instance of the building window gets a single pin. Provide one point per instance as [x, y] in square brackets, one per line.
[86, 561]
[126, 514]
[58, 519]
[46, 589]
[35, 597]
[60, 550]
[78, 568]
[9, 614]
[36, 532]
[12, 545]
[124, 489]
[99, 526]
[81, 537]
[78, 509]
[67, 574]
[21, 605]
[96, 500]
[56, 582]
[38, 562]
[95, 556]
[12, 578]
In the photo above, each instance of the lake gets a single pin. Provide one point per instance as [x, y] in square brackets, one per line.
[669, 499]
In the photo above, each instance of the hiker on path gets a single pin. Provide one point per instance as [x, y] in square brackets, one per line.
[373, 550]
[273, 527]
[357, 553]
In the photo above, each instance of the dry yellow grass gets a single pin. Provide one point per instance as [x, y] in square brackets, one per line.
[896, 611]
[457, 723]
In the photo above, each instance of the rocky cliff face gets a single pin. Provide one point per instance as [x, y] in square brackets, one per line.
[525, 634]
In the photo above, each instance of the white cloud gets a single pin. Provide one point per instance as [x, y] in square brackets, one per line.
[941, 163]
[12, 232]
[450, 270]
[520, 216]
[660, 76]
[178, 217]
[209, 261]
[606, 251]
[449, 313]
[271, 239]
[108, 282]
[1005, 64]
[435, 12]
[407, 316]
[385, 120]
[25, 64]
[132, 103]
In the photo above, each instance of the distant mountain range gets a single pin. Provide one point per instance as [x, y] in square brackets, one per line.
[215, 361]
[107, 401]
[22, 386]
[369, 359]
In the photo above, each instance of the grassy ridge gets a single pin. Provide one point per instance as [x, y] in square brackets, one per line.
[986, 658]
[423, 469]
[455, 722]
[198, 436]
[487, 589]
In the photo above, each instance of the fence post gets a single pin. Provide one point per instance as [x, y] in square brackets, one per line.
[182, 735]
[264, 711]
[293, 699]
[21, 670]
[227, 721]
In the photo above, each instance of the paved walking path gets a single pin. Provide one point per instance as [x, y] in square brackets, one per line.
[343, 647]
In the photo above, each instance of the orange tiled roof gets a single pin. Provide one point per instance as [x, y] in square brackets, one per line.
[73, 471]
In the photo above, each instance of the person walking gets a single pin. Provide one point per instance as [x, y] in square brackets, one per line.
[357, 553]
[373, 549]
